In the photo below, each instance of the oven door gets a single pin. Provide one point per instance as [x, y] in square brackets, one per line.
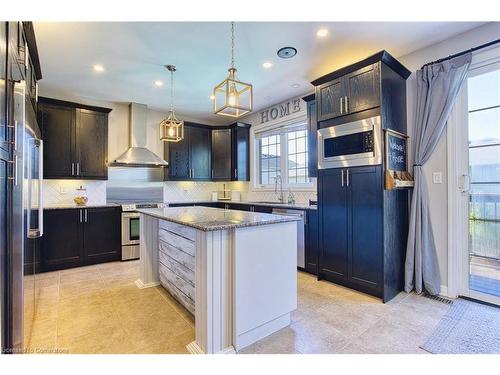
[130, 228]
[353, 144]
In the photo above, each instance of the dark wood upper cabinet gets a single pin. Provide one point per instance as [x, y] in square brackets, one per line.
[200, 151]
[190, 158]
[221, 154]
[57, 125]
[363, 89]
[91, 143]
[178, 156]
[355, 88]
[76, 139]
[312, 136]
[240, 155]
[330, 99]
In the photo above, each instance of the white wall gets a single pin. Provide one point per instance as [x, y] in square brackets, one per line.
[438, 193]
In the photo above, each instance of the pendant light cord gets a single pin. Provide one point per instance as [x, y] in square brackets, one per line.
[232, 44]
[171, 91]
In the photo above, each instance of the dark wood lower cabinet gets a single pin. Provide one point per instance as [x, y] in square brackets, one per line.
[61, 241]
[80, 236]
[352, 231]
[101, 239]
[312, 242]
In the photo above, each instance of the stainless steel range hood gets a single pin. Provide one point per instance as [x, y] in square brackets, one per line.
[138, 155]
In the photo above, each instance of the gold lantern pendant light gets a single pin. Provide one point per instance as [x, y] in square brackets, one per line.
[232, 97]
[171, 129]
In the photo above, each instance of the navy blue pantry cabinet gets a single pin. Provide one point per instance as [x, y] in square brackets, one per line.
[76, 237]
[351, 210]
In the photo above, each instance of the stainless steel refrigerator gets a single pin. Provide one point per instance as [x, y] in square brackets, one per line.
[22, 207]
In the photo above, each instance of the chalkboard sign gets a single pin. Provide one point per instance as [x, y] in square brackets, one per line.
[395, 151]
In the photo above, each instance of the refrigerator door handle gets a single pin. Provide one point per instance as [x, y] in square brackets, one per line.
[35, 232]
[40, 188]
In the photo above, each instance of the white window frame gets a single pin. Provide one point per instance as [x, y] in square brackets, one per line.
[256, 186]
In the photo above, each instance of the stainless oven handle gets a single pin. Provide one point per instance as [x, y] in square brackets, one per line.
[131, 214]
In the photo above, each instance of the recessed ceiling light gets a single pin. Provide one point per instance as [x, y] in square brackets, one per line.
[321, 33]
[295, 85]
[98, 68]
[267, 65]
[158, 83]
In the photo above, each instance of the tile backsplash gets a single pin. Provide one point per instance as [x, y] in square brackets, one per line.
[63, 191]
[190, 190]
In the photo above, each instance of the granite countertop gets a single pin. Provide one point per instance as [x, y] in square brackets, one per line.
[212, 219]
[297, 206]
[59, 206]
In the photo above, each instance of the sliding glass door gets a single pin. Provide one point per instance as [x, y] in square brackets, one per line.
[483, 271]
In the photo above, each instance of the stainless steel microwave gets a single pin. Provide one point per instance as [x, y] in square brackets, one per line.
[352, 144]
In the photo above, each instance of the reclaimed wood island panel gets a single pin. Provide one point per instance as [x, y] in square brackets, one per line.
[234, 270]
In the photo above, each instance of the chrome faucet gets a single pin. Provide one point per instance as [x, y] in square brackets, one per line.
[281, 198]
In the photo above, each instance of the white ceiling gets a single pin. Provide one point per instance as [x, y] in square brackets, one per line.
[134, 53]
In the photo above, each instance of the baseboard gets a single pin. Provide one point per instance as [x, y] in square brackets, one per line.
[194, 348]
[141, 285]
[444, 291]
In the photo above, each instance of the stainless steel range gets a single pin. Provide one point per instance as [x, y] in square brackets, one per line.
[131, 228]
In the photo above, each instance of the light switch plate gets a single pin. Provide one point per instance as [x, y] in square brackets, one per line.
[437, 177]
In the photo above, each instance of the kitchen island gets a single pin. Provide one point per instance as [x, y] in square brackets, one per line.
[234, 270]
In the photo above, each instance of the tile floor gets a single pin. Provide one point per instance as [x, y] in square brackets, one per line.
[98, 309]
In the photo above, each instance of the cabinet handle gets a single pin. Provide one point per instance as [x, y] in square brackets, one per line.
[85, 215]
[341, 105]
[81, 217]
[192, 173]
[235, 173]
[347, 172]
[342, 178]
[78, 169]
[72, 169]
[346, 104]
[212, 174]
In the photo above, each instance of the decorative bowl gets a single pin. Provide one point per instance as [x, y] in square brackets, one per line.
[81, 201]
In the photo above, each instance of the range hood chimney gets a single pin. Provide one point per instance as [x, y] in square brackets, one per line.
[138, 154]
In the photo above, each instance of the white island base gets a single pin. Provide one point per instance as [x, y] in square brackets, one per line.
[245, 280]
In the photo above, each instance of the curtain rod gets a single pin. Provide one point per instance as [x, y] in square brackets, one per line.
[463, 52]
